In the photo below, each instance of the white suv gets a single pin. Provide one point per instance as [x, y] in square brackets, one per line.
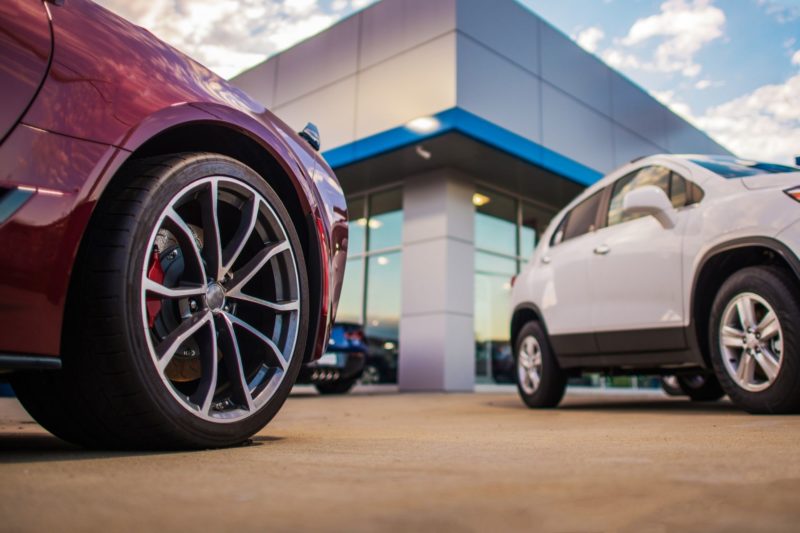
[676, 265]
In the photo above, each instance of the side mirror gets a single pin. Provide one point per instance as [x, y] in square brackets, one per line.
[650, 200]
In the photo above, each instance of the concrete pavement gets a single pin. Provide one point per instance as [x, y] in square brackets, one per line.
[443, 462]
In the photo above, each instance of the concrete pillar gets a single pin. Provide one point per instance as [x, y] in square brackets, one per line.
[437, 347]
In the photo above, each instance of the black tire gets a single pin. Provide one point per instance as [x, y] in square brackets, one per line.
[341, 386]
[779, 290]
[553, 380]
[701, 388]
[671, 386]
[109, 393]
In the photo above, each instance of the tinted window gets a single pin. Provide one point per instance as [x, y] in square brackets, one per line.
[738, 168]
[655, 175]
[582, 218]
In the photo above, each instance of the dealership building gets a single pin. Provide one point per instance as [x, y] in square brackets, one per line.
[458, 129]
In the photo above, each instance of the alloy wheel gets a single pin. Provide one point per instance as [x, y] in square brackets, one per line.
[751, 342]
[220, 299]
[529, 364]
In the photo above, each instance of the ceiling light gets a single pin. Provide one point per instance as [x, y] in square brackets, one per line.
[383, 260]
[424, 125]
[375, 224]
[479, 200]
[361, 221]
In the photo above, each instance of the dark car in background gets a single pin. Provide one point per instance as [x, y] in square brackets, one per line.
[172, 252]
[342, 363]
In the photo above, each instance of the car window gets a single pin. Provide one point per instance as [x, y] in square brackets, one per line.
[580, 220]
[653, 175]
[683, 192]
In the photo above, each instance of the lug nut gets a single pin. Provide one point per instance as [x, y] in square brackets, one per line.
[192, 305]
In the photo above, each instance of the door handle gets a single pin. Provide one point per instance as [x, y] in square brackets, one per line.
[603, 249]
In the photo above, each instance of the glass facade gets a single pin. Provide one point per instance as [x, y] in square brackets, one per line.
[372, 286]
[507, 230]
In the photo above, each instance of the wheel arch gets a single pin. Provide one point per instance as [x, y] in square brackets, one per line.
[524, 313]
[717, 265]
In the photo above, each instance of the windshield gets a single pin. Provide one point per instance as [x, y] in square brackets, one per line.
[741, 168]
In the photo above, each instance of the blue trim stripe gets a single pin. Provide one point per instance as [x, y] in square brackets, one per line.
[464, 122]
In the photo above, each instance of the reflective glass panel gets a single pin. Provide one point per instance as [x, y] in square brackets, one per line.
[386, 220]
[492, 315]
[352, 298]
[495, 222]
[357, 226]
[383, 296]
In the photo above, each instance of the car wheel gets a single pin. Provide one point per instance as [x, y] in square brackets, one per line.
[700, 388]
[540, 380]
[341, 386]
[755, 340]
[188, 312]
[371, 375]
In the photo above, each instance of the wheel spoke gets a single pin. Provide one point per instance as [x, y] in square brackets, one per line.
[260, 336]
[233, 363]
[745, 372]
[248, 222]
[212, 247]
[769, 326]
[746, 310]
[286, 306]
[193, 260]
[732, 337]
[254, 266]
[768, 364]
[172, 292]
[166, 349]
[208, 385]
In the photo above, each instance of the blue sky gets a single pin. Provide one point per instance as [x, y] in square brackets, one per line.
[731, 67]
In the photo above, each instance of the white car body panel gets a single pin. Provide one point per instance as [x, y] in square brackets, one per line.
[645, 280]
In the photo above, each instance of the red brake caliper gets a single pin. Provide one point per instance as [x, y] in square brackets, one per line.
[155, 273]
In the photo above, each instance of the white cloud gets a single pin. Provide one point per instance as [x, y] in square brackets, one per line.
[589, 39]
[230, 35]
[702, 84]
[763, 124]
[796, 58]
[684, 27]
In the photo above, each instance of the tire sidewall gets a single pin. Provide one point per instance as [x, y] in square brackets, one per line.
[194, 429]
[553, 381]
[777, 289]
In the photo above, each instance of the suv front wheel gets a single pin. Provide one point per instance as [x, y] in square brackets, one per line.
[540, 380]
[755, 340]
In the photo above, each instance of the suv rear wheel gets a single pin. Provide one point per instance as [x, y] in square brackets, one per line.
[755, 340]
[540, 380]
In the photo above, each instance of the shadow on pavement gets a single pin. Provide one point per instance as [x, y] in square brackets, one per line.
[628, 405]
[17, 447]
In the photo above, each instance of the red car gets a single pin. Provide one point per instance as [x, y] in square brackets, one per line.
[171, 252]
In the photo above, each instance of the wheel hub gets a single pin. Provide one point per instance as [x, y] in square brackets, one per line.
[215, 297]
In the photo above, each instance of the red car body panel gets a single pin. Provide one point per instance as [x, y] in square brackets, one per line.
[111, 87]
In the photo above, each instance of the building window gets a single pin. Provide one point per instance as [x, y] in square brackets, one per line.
[507, 230]
[372, 285]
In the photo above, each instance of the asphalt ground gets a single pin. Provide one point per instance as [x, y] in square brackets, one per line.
[378, 460]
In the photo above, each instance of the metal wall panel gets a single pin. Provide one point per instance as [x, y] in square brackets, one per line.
[504, 26]
[634, 108]
[570, 68]
[492, 87]
[416, 83]
[629, 145]
[575, 130]
[323, 59]
[331, 108]
[388, 28]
